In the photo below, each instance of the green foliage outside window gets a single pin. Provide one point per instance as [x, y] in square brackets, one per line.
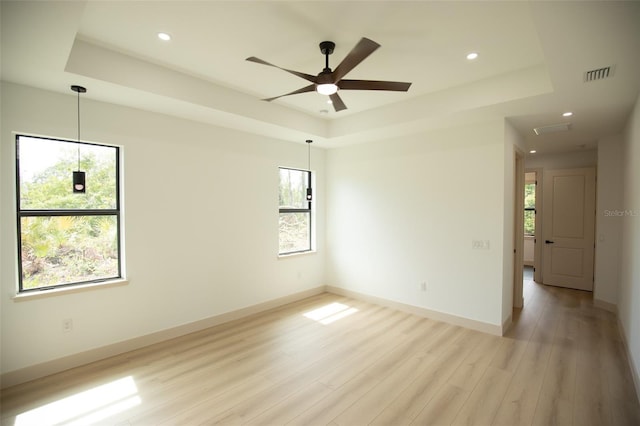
[530, 203]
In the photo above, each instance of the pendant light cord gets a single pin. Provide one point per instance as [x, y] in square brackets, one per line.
[309, 154]
[78, 130]
[78, 90]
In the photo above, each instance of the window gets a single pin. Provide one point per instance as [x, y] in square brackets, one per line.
[530, 208]
[295, 211]
[66, 238]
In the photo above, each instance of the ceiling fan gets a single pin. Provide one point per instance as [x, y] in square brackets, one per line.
[328, 82]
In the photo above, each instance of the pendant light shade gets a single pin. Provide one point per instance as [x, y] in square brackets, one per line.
[79, 177]
[309, 190]
[79, 182]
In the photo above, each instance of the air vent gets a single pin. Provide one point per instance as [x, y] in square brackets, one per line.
[598, 74]
[563, 127]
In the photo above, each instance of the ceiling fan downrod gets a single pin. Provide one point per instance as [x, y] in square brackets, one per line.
[326, 47]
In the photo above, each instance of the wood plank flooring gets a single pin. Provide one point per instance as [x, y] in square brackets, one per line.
[331, 360]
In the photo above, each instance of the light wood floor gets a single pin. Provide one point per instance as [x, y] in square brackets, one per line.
[562, 363]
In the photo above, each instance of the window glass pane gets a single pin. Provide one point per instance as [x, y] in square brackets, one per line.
[46, 168]
[293, 189]
[294, 232]
[530, 195]
[529, 222]
[68, 249]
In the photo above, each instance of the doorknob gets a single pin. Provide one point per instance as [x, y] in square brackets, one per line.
[548, 242]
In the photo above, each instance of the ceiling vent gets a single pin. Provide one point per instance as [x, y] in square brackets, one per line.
[554, 128]
[598, 74]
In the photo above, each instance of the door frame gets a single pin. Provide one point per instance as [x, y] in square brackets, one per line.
[518, 229]
[537, 250]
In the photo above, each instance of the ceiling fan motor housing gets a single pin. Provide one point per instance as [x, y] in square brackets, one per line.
[325, 77]
[326, 47]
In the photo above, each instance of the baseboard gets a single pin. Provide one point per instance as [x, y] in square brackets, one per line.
[611, 307]
[632, 366]
[506, 324]
[33, 372]
[484, 327]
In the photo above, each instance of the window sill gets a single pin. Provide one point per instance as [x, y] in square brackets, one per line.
[31, 295]
[291, 255]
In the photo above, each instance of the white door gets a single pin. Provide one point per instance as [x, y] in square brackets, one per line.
[568, 228]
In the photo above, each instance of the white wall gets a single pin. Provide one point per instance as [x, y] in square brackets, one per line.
[201, 217]
[405, 211]
[529, 250]
[563, 160]
[608, 224]
[629, 290]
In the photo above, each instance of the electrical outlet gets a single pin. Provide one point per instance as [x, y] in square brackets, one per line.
[67, 325]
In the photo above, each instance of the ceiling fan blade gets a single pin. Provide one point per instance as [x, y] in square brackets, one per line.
[309, 88]
[308, 77]
[359, 53]
[338, 105]
[395, 86]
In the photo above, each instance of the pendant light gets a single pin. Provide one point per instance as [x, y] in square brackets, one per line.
[309, 191]
[79, 178]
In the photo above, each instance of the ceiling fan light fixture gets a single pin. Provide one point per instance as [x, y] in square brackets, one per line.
[327, 89]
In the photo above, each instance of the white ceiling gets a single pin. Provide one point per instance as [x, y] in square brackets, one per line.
[532, 59]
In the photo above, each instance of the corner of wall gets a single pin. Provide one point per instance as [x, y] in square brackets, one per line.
[629, 268]
[513, 144]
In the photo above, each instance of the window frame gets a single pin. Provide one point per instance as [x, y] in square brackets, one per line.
[531, 209]
[308, 210]
[21, 213]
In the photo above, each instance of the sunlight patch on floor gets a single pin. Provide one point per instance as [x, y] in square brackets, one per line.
[85, 408]
[330, 313]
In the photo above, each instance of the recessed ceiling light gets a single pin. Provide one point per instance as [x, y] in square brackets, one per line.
[329, 101]
[567, 114]
[533, 151]
[471, 56]
[164, 36]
